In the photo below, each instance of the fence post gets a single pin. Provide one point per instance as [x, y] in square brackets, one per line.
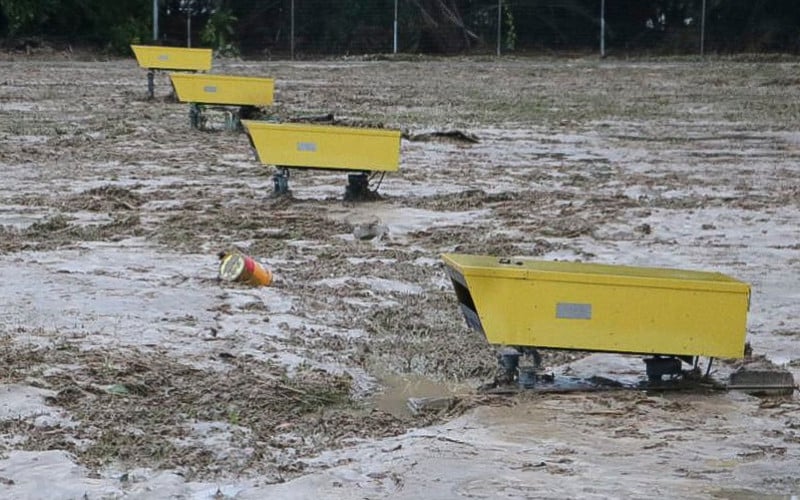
[703, 30]
[499, 24]
[291, 32]
[602, 28]
[155, 20]
[394, 44]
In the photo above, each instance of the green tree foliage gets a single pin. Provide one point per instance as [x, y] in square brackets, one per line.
[111, 25]
[555, 24]
[219, 31]
[754, 25]
[27, 16]
[509, 28]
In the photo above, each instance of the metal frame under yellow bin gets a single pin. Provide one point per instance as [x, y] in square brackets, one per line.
[596, 307]
[325, 146]
[223, 90]
[172, 58]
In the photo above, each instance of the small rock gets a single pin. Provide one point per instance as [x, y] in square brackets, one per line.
[369, 231]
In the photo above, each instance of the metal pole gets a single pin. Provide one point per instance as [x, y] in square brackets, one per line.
[155, 20]
[602, 28]
[291, 33]
[703, 30]
[189, 28]
[499, 24]
[394, 45]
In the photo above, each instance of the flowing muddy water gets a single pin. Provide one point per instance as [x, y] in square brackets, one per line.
[131, 371]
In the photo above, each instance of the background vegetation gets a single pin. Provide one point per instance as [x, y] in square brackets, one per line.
[264, 27]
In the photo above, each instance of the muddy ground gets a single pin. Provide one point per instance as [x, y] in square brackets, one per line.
[129, 370]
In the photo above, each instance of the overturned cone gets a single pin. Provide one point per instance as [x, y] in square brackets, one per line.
[235, 266]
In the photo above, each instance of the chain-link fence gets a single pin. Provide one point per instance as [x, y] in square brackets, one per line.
[307, 28]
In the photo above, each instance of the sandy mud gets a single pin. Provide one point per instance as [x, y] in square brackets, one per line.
[130, 371]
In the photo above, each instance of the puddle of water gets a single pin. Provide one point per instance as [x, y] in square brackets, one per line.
[398, 389]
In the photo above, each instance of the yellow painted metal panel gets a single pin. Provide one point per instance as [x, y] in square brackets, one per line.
[223, 89]
[325, 146]
[172, 58]
[580, 272]
[596, 307]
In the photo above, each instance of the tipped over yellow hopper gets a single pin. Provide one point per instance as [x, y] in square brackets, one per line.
[223, 90]
[595, 307]
[172, 58]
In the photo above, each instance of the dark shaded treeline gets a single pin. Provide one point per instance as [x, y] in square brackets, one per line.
[431, 26]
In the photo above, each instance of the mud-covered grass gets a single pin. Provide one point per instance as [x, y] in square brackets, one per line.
[566, 149]
[62, 231]
[425, 335]
[146, 409]
[134, 408]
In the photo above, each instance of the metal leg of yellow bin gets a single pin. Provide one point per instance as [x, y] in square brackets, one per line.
[280, 181]
[248, 113]
[151, 84]
[509, 362]
[519, 365]
[358, 186]
[232, 122]
[196, 118]
[657, 366]
[233, 119]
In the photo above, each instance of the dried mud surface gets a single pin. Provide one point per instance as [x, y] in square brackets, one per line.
[112, 211]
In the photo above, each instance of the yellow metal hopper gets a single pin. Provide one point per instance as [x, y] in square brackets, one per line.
[223, 90]
[292, 145]
[172, 58]
[595, 307]
[154, 57]
[325, 146]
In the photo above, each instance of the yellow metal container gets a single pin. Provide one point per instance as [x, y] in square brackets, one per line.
[223, 89]
[595, 307]
[325, 146]
[172, 58]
